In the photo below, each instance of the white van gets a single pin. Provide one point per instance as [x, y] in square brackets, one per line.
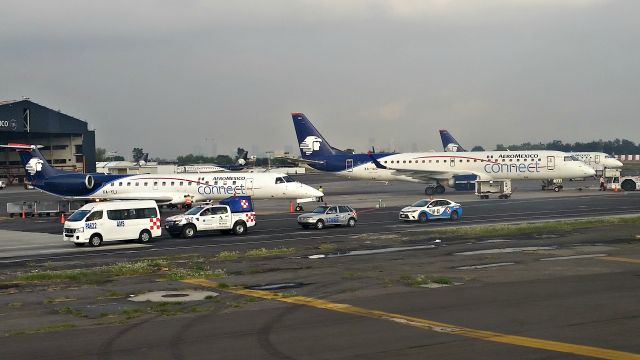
[113, 220]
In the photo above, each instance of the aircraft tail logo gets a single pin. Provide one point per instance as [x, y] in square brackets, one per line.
[310, 144]
[34, 165]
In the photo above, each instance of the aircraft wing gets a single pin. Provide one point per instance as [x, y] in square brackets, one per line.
[301, 161]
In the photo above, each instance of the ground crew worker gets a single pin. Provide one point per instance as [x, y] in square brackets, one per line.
[321, 199]
[187, 202]
[603, 183]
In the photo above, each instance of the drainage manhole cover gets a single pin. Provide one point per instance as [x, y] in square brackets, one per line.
[185, 295]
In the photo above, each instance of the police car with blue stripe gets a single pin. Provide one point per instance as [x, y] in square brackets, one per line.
[426, 209]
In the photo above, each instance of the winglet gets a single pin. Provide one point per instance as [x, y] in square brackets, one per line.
[375, 161]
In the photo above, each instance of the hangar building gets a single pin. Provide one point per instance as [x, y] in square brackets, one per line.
[67, 142]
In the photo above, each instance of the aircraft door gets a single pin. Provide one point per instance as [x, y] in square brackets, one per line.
[551, 162]
[597, 159]
[452, 162]
[349, 165]
[249, 187]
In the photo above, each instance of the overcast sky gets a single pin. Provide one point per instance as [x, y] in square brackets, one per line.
[170, 76]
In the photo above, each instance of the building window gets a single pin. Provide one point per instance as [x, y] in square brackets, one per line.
[79, 158]
[59, 161]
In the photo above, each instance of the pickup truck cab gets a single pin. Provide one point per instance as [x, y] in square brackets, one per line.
[234, 214]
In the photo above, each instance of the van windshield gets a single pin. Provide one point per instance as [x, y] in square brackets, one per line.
[194, 211]
[78, 215]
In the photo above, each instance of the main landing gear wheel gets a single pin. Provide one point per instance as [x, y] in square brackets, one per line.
[440, 189]
[429, 190]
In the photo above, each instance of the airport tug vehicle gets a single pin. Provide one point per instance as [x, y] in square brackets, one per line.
[232, 215]
[324, 215]
[426, 209]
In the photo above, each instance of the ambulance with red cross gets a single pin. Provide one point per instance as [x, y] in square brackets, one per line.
[97, 222]
[232, 215]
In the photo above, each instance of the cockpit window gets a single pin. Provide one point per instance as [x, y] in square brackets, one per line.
[280, 180]
[288, 179]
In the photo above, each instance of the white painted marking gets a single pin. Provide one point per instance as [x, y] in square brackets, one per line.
[573, 257]
[507, 250]
[472, 267]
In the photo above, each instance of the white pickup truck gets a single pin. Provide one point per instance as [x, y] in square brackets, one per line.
[3, 184]
[234, 214]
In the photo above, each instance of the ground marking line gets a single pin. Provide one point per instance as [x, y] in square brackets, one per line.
[614, 258]
[428, 324]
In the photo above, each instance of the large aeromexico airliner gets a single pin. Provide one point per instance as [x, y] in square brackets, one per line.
[596, 160]
[163, 188]
[435, 168]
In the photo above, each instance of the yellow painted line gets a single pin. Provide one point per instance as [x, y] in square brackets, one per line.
[613, 258]
[429, 325]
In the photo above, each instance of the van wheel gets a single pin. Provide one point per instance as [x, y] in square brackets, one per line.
[145, 236]
[95, 240]
[319, 224]
[351, 222]
[189, 231]
[454, 216]
[422, 218]
[240, 228]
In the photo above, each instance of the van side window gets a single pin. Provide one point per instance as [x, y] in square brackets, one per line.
[150, 213]
[96, 215]
[116, 214]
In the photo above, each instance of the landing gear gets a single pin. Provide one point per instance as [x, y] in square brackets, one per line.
[434, 189]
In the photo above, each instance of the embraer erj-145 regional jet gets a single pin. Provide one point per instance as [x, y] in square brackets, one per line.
[164, 189]
[596, 160]
[435, 168]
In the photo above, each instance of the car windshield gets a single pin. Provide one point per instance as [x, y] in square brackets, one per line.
[421, 203]
[194, 211]
[78, 215]
[320, 210]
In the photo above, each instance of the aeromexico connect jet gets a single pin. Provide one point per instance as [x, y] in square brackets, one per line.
[596, 160]
[163, 188]
[437, 169]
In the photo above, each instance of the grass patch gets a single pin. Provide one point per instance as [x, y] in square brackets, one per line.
[227, 255]
[268, 252]
[82, 276]
[547, 227]
[15, 305]
[71, 311]
[327, 247]
[43, 329]
[443, 281]
[222, 285]
[414, 280]
[197, 272]
[111, 294]
[132, 313]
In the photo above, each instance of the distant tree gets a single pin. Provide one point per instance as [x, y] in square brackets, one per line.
[137, 154]
[477, 148]
[101, 154]
[501, 147]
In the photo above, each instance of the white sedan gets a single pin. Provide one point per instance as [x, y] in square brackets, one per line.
[425, 209]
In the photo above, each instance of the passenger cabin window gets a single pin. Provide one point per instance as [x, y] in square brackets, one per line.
[96, 215]
[173, 183]
[164, 183]
[119, 184]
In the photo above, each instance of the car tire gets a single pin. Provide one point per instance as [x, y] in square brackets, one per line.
[95, 240]
[319, 225]
[189, 231]
[145, 236]
[239, 228]
[454, 216]
[351, 222]
[422, 218]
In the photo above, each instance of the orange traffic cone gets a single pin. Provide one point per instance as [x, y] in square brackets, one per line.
[24, 214]
[291, 207]
[61, 218]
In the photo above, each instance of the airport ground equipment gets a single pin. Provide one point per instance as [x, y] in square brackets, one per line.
[43, 208]
[3, 184]
[485, 188]
[626, 183]
[552, 184]
[425, 210]
[325, 215]
[234, 214]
